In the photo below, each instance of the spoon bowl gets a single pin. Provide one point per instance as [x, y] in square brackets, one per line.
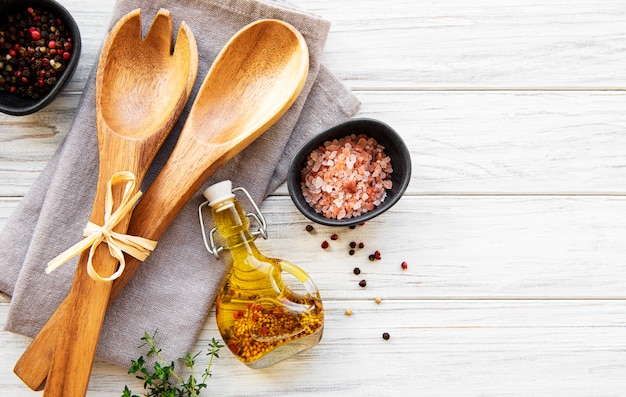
[138, 76]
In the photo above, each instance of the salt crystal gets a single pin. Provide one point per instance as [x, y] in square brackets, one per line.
[318, 182]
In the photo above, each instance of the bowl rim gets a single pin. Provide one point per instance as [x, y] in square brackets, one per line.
[71, 24]
[295, 167]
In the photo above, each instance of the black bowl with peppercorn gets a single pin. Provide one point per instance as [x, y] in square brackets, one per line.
[349, 173]
[39, 50]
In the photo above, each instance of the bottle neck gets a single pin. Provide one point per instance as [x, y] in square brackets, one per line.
[233, 225]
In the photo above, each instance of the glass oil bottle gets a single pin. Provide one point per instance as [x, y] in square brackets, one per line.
[261, 319]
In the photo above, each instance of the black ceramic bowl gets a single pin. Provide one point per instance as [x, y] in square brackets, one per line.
[18, 106]
[395, 148]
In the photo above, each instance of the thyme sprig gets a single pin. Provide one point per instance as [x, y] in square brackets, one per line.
[161, 380]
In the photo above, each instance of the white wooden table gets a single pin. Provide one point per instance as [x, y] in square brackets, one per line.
[513, 227]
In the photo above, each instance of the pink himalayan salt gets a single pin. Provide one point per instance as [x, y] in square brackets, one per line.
[346, 177]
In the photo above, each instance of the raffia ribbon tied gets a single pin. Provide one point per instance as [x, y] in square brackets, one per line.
[118, 243]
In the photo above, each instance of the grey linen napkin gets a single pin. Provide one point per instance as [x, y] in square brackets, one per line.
[174, 289]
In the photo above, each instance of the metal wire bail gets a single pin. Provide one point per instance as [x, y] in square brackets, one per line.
[257, 216]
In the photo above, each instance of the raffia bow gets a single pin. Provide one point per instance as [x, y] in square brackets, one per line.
[118, 243]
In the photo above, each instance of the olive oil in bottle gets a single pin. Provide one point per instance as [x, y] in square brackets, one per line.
[261, 319]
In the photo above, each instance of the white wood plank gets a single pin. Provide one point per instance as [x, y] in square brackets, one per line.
[487, 247]
[441, 348]
[486, 43]
[463, 247]
[443, 45]
[460, 142]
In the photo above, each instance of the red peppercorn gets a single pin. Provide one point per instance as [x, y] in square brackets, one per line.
[324, 244]
[12, 89]
[34, 34]
[45, 62]
[404, 265]
[334, 236]
[25, 80]
[52, 44]
[12, 53]
[377, 254]
[30, 10]
[238, 314]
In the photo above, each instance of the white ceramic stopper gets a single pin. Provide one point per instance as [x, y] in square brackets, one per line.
[219, 192]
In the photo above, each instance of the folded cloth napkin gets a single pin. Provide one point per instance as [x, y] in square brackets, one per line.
[174, 289]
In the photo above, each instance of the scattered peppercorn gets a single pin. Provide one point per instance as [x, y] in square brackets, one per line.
[351, 252]
[386, 335]
[334, 236]
[372, 257]
[378, 300]
[34, 51]
[404, 265]
[361, 245]
[309, 228]
[352, 226]
[357, 271]
[352, 244]
[348, 312]
[324, 244]
[377, 255]
[362, 283]
[362, 223]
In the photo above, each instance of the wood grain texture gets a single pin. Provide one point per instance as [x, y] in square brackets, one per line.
[461, 142]
[512, 224]
[439, 347]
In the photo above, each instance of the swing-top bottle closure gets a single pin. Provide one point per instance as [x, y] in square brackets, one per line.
[218, 193]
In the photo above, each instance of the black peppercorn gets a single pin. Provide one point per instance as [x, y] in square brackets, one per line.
[357, 271]
[386, 335]
[309, 228]
[362, 283]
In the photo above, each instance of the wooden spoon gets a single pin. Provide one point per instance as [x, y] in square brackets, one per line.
[141, 90]
[253, 81]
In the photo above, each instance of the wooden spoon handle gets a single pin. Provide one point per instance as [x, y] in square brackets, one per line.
[34, 364]
[78, 337]
[86, 304]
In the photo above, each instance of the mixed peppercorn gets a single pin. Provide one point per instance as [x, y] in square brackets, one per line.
[352, 247]
[35, 49]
